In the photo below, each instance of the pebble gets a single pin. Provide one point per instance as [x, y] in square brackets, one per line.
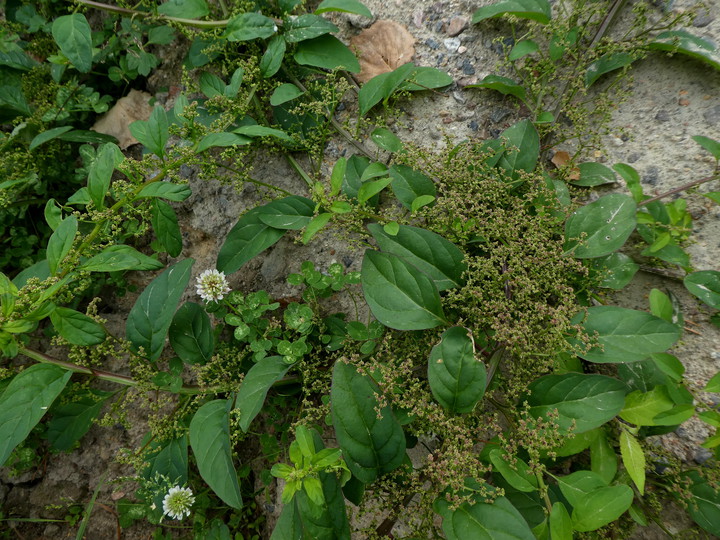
[703, 20]
[683, 102]
[650, 176]
[712, 116]
[473, 125]
[462, 49]
[452, 44]
[430, 42]
[418, 17]
[702, 455]
[467, 67]
[662, 116]
[456, 26]
[498, 115]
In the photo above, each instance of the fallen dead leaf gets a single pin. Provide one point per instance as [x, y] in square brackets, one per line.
[383, 47]
[128, 109]
[561, 159]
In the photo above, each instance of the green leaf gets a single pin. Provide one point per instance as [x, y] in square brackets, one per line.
[258, 380]
[517, 475]
[290, 213]
[523, 48]
[641, 408]
[166, 227]
[326, 52]
[577, 485]
[498, 520]
[249, 26]
[73, 35]
[503, 85]
[272, 58]
[100, 173]
[616, 269]
[222, 139]
[683, 42]
[587, 400]
[536, 10]
[211, 85]
[627, 335]
[25, 401]
[457, 379]
[603, 459]
[408, 184]
[87, 136]
[262, 131]
[307, 26]
[72, 420]
[120, 257]
[601, 507]
[660, 305]
[150, 318]
[606, 64]
[315, 225]
[48, 135]
[601, 227]
[191, 334]
[77, 328]
[633, 459]
[425, 78]
[594, 174]
[166, 190]
[522, 147]
[346, 6]
[153, 133]
[248, 238]
[382, 86]
[399, 295]
[632, 181]
[422, 200]
[371, 188]
[705, 285]
[713, 385]
[386, 139]
[170, 461]
[425, 250]
[704, 508]
[707, 143]
[372, 443]
[560, 523]
[284, 93]
[210, 442]
[61, 242]
[669, 365]
[185, 9]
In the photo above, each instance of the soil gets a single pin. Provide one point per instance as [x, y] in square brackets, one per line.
[672, 99]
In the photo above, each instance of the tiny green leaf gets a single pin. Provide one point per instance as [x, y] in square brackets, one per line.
[61, 242]
[284, 93]
[503, 85]
[536, 10]
[606, 64]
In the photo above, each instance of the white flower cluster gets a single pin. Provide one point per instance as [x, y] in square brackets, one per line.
[212, 285]
[177, 502]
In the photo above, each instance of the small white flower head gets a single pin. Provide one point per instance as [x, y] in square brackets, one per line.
[177, 502]
[212, 285]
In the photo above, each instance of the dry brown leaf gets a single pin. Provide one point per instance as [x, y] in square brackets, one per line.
[561, 159]
[383, 47]
[128, 109]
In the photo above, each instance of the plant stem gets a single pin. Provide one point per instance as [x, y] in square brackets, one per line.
[135, 13]
[681, 188]
[298, 168]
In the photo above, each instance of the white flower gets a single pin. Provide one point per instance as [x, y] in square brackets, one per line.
[212, 285]
[177, 502]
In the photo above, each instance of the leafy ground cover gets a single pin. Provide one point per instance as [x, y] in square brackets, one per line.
[495, 390]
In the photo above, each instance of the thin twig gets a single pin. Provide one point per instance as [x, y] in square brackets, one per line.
[135, 13]
[684, 187]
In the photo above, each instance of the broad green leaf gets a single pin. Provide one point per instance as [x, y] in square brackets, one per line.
[382, 86]
[76, 327]
[669, 365]
[713, 385]
[518, 476]
[153, 133]
[248, 238]
[210, 442]
[48, 135]
[61, 242]
[585, 400]
[100, 173]
[255, 386]
[684, 42]
[642, 407]
[328, 520]
[426, 78]
[706, 286]
[498, 520]
[73, 35]
[262, 131]
[503, 85]
[707, 143]
[25, 401]
[632, 181]
[222, 139]
[151, 316]
[386, 139]
[626, 335]
[457, 379]
[373, 442]
[523, 48]
[272, 58]
[191, 334]
[643, 375]
[211, 85]
[601, 507]
[72, 420]
[346, 6]
[603, 458]
[166, 190]
[601, 227]
[616, 270]
[594, 174]
[120, 257]
[284, 93]
[409, 184]
[536, 10]
[326, 52]
[419, 202]
[660, 305]
[704, 508]
[289, 213]
[633, 459]
[522, 147]
[315, 225]
[371, 188]
[399, 295]
[166, 227]
[606, 64]
[307, 26]
[171, 461]
[560, 523]
[249, 26]
[427, 251]
[577, 485]
[184, 9]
